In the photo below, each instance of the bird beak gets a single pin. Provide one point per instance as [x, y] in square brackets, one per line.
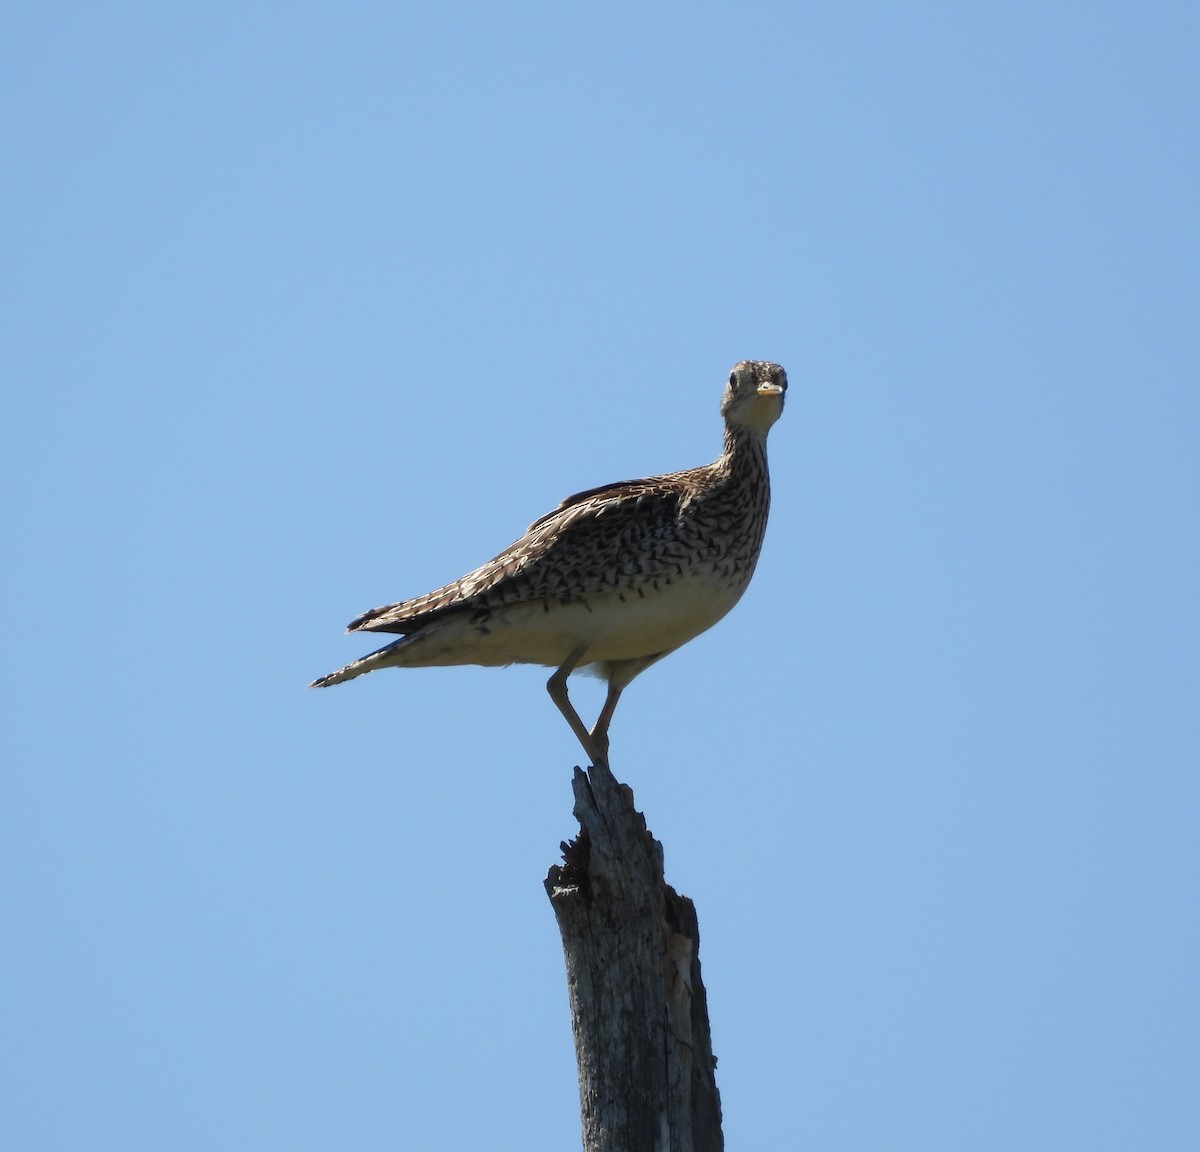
[770, 390]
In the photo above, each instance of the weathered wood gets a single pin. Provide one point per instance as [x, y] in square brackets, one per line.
[638, 1008]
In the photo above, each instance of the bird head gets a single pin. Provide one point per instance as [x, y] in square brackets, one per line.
[754, 395]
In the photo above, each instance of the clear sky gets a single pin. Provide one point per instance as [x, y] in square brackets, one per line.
[307, 308]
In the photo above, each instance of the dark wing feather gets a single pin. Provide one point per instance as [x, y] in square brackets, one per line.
[625, 488]
[592, 541]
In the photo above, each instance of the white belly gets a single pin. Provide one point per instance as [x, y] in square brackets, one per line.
[608, 627]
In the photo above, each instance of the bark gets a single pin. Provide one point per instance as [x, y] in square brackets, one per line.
[638, 1008]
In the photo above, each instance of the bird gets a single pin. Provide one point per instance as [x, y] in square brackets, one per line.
[609, 582]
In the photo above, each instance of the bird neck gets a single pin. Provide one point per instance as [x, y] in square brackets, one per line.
[739, 492]
[745, 449]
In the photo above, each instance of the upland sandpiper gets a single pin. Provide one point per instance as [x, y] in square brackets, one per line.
[613, 579]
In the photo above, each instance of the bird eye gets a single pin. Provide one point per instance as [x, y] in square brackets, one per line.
[732, 379]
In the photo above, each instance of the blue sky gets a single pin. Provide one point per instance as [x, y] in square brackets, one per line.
[311, 308]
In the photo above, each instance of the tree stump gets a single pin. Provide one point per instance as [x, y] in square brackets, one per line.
[638, 1009]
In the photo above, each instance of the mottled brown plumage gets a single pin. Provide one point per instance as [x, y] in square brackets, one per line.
[613, 579]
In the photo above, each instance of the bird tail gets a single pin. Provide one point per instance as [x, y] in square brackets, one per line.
[384, 657]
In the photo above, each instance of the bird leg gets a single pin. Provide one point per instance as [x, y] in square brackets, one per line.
[557, 687]
[600, 731]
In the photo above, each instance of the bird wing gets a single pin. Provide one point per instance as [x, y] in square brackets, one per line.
[590, 542]
[625, 489]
